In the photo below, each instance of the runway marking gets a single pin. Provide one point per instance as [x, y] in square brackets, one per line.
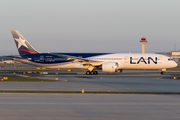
[122, 104]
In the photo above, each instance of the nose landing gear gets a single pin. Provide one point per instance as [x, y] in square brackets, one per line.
[162, 71]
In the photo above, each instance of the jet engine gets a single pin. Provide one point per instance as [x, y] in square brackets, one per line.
[110, 67]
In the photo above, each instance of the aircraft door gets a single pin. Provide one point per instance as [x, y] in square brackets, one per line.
[126, 59]
[159, 60]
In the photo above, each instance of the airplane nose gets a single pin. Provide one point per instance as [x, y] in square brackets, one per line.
[175, 64]
[171, 64]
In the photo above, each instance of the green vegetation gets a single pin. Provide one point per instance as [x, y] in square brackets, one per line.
[26, 79]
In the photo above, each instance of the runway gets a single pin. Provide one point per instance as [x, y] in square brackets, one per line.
[57, 106]
[128, 82]
[88, 106]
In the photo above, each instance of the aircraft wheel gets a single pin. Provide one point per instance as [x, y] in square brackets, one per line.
[92, 72]
[88, 73]
[162, 72]
[95, 72]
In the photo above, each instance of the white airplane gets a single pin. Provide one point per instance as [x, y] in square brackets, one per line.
[7, 61]
[107, 62]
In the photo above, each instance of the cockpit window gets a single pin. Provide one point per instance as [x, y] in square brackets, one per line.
[170, 59]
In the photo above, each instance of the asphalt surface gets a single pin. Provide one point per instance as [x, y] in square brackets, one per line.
[33, 106]
[126, 82]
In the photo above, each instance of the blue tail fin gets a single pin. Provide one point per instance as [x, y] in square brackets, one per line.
[23, 46]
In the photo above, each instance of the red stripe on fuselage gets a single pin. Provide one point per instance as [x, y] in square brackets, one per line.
[28, 51]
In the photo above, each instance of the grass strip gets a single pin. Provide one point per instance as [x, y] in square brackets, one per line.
[178, 78]
[90, 92]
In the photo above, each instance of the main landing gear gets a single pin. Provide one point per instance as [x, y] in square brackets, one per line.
[91, 73]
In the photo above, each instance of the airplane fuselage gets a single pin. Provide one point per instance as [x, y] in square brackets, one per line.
[125, 61]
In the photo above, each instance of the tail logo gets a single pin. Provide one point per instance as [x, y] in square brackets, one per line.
[21, 42]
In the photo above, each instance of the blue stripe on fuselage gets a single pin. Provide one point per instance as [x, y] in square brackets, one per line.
[46, 58]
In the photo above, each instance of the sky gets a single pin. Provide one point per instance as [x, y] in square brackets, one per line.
[91, 25]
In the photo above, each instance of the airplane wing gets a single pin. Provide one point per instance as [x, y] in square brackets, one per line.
[84, 61]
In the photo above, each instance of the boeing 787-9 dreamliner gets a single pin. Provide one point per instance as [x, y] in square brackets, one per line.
[107, 62]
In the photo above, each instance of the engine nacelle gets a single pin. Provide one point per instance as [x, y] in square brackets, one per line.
[110, 67]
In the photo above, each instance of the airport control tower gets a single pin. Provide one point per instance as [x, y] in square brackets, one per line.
[143, 42]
